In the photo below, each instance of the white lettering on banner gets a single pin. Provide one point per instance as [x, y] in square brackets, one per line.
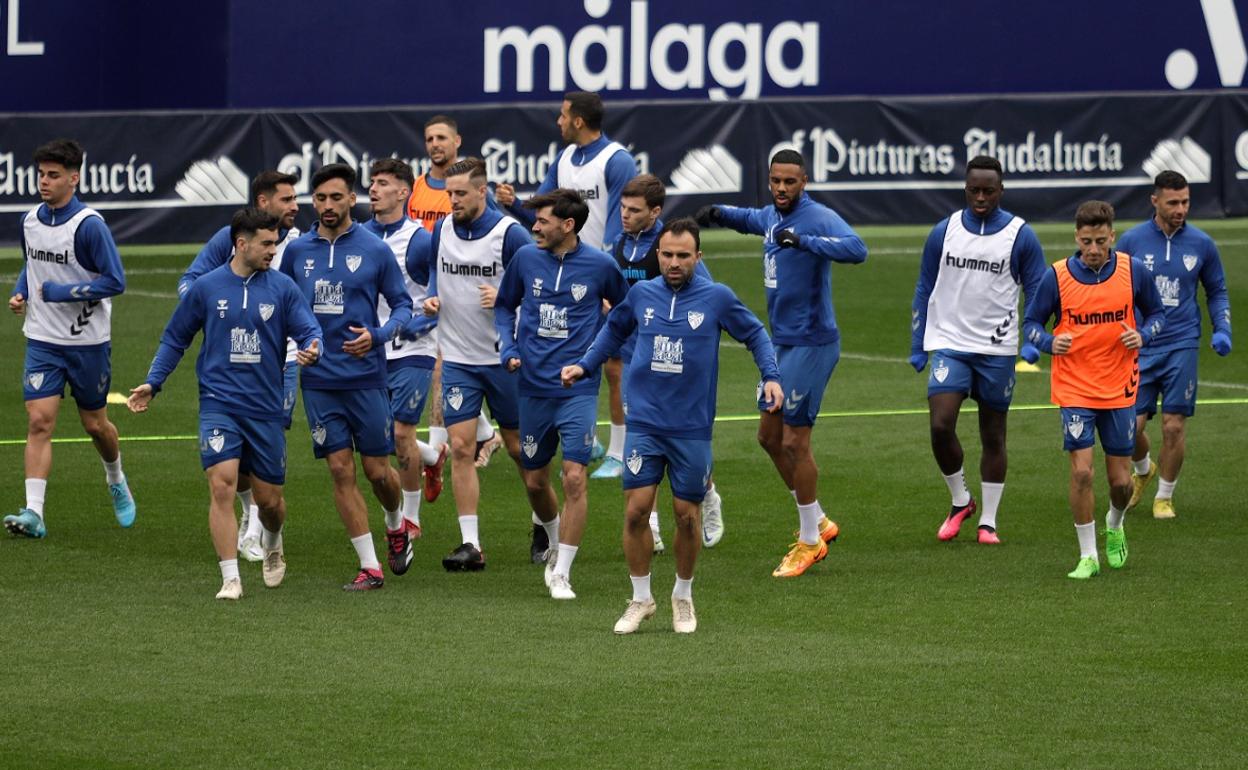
[16, 48]
[94, 178]
[329, 151]
[745, 44]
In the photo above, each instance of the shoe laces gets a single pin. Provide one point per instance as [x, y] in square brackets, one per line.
[684, 609]
[397, 541]
[118, 491]
[363, 577]
[635, 611]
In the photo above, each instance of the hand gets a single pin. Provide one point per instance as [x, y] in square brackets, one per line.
[488, 295]
[432, 306]
[1062, 343]
[505, 194]
[359, 346]
[17, 303]
[568, 375]
[1130, 337]
[513, 364]
[1030, 353]
[140, 397]
[309, 355]
[1221, 342]
[774, 394]
[789, 239]
[918, 360]
[707, 216]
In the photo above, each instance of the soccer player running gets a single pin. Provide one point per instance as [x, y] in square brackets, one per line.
[341, 269]
[1095, 346]
[409, 364]
[965, 313]
[671, 381]
[558, 287]
[471, 250]
[247, 312]
[274, 193]
[71, 269]
[1179, 256]
[800, 240]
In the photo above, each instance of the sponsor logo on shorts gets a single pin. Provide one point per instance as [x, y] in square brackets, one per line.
[634, 463]
[1075, 426]
[529, 446]
[455, 397]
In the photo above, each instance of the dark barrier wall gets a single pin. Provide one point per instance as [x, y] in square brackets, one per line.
[175, 177]
[78, 55]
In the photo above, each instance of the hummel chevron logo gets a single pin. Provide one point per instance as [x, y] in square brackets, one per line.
[80, 323]
[998, 336]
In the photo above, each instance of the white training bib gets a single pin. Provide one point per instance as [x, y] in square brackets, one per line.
[50, 257]
[465, 329]
[590, 180]
[398, 242]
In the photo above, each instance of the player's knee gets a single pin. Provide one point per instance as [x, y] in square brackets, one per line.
[222, 489]
[342, 468]
[686, 517]
[1081, 478]
[40, 423]
[769, 441]
[1173, 431]
[96, 425]
[635, 519]
[574, 480]
[796, 445]
[404, 434]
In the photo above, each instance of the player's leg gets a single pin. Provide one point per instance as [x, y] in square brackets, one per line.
[993, 390]
[613, 465]
[264, 460]
[372, 435]
[1152, 369]
[438, 437]
[409, 390]
[949, 382]
[574, 420]
[638, 549]
[41, 415]
[539, 442]
[1178, 402]
[711, 512]
[1078, 432]
[462, 399]
[689, 468]
[90, 375]
[271, 512]
[488, 441]
[1117, 431]
[222, 481]
[249, 523]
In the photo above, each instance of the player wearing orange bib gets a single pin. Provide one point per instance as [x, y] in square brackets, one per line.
[1095, 346]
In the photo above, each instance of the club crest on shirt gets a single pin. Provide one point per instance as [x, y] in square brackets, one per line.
[266, 311]
[216, 441]
[529, 446]
[353, 262]
[319, 434]
[695, 319]
[35, 379]
[1075, 426]
[455, 397]
[940, 371]
[1189, 261]
[634, 463]
[578, 291]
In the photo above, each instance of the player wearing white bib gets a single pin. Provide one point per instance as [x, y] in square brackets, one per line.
[470, 251]
[71, 268]
[965, 314]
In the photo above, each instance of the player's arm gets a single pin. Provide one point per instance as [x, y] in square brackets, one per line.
[929, 268]
[514, 239]
[97, 252]
[216, 252]
[302, 326]
[431, 293]
[835, 240]
[395, 291]
[183, 325]
[743, 220]
[1148, 300]
[1213, 279]
[743, 326]
[620, 324]
[1044, 305]
[615, 285]
[525, 216]
[510, 294]
[21, 289]
[417, 260]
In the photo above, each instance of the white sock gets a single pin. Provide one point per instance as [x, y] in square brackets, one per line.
[1142, 467]
[364, 549]
[683, 588]
[956, 482]
[36, 494]
[229, 569]
[654, 521]
[253, 524]
[615, 448]
[1165, 489]
[437, 437]
[428, 454]
[1113, 519]
[270, 541]
[247, 499]
[468, 530]
[567, 554]
[710, 491]
[484, 429]
[641, 588]
[394, 519]
[112, 471]
[992, 500]
[1087, 540]
[411, 506]
[808, 523]
[551, 527]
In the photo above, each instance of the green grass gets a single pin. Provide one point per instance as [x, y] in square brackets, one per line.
[898, 651]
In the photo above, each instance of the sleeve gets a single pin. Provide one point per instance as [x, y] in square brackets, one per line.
[620, 324]
[215, 253]
[186, 321]
[1126, 244]
[929, 268]
[491, 202]
[744, 327]
[1148, 300]
[301, 323]
[1027, 262]
[417, 261]
[505, 305]
[432, 290]
[1040, 308]
[1213, 279]
[97, 252]
[702, 270]
[525, 216]
[748, 221]
[21, 287]
[615, 286]
[395, 291]
[836, 240]
[514, 239]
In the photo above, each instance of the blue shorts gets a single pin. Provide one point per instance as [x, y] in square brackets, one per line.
[804, 374]
[1116, 426]
[464, 388]
[687, 462]
[409, 389]
[547, 422]
[258, 445]
[290, 389]
[88, 371]
[1172, 375]
[350, 419]
[988, 379]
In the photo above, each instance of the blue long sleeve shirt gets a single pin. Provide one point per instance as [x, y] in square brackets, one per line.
[1027, 264]
[560, 312]
[94, 249]
[514, 239]
[245, 322]
[1048, 301]
[341, 280]
[798, 281]
[1177, 264]
[672, 376]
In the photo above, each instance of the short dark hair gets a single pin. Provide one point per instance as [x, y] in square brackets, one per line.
[680, 226]
[1169, 180]
[1094, 214]
[984, 163]
[334, 171]
[587, 106]
[266, 183]
[646, 186]
[474, 167]
[563, 203]
[247, 221]
[788, 156]
[66, 152]
[445, 120]
[400, 170]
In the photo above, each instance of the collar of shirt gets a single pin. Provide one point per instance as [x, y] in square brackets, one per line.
[51, 216]
[478, 227]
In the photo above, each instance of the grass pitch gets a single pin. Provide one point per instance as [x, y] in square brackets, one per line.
[897, 651]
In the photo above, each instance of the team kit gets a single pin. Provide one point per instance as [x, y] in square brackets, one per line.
[458, 296]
